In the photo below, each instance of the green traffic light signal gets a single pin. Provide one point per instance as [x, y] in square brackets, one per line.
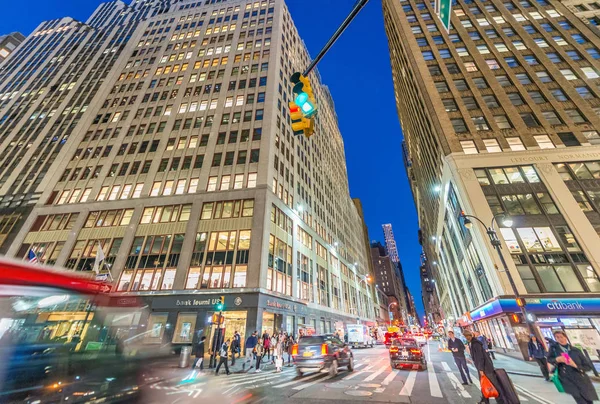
[220, 306]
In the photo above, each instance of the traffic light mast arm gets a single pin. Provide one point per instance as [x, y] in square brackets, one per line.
[357, 7]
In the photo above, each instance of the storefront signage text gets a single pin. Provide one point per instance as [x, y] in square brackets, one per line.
[195, 302]
[277, 305]
[540, 306]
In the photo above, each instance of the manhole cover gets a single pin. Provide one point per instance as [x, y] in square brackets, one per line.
[336, 386]
[370, 385]
[359, 393]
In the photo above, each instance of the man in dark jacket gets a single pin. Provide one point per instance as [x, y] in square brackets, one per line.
[484, 365]
[199, 352]
[537, 352]
[235, 346]
[223, 353]
[458, 352]
[251, 342]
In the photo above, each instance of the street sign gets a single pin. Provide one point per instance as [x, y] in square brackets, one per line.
[101, 277]
[444, 11]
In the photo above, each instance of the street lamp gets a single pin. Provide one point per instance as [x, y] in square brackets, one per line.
[507, 221]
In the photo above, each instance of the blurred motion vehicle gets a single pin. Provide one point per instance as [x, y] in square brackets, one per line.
[389, 337]
[64, 338]
[322, 352]
[405, 352]
[420, 338]
[359, 336]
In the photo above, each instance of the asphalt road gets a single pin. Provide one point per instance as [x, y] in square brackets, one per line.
[372, 381]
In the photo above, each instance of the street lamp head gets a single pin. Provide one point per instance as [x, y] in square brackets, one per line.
[335, 244]
[507, 221]
[299, 208]
[468, 224]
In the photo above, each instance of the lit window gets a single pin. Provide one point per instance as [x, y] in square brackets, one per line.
[544, 142]
[492, 145]
[502, 121]
[590, 73]
[212, 184]
[568, 74]
[252, 180]
[592, 136]
[239, 181]
[468, 147]
[502, 47]
[471, 67]
[515, 143]
[225, 180]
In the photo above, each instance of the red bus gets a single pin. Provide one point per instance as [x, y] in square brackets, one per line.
[63, 335]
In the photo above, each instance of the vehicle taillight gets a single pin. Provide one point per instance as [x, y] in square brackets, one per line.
[295, 350]
[394, 349]
[415, 351]
[324, 349]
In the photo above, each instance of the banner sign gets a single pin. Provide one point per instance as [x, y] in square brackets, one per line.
[555, 307]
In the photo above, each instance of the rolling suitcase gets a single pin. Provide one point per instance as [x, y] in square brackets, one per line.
[508, 390]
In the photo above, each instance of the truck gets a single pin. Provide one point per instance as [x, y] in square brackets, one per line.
[359, 336]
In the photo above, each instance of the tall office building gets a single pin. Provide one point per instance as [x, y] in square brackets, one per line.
[501, 115]
[388, 281]
[8, 43]
[390, 242]
[184, 171]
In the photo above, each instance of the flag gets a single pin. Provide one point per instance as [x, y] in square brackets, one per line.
[99, 259]
[33, 259]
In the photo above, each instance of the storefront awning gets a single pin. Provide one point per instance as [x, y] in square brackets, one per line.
[550, 306]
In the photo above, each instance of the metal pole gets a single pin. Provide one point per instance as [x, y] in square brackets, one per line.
[496, 243]
[357, 7]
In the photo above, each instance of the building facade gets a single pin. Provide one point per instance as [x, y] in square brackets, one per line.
[183, 170]
[388, 281]
[8, 43]
[500, 115]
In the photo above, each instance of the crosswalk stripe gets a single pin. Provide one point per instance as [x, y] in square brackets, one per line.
[298, 381]
[409, 384]
[374, 375]
[354, 374]
[390, 377]
[305, 385]
[454, 380]
[434, 386]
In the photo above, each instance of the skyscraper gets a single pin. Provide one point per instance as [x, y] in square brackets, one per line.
[183, 170]
[389, 282]
[390, 243]
[8, 43]
[501, 115]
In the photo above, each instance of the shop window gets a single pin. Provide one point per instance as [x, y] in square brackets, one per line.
[184, 328]
[156, 328]
[589, 276]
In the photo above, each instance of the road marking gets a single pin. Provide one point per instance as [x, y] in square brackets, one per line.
[379, 390]
[354, 374]
[374, 375]
[446, 367]
[434, 386]
[390, 377]
[475, 379]
[305, 385]
[279, 386]
[532, 395]
[409, 384]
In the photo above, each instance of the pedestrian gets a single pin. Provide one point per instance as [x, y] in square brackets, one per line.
[251, 342]
[272, 345]
[266, 339]
[235, 346]
[278, 353]
[458, 352]
[199, 352]
[223, 353]
[491, 347]
[259, 349]
[481, 338]
[484, 365]
[537, 352]
[571, 365]
[290, 348]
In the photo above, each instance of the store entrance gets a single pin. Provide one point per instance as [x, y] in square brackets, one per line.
[272, 323]
[232, 321]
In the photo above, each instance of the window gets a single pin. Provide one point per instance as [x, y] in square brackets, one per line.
[515, 143]
[461, 51]
[504, 81]
[480, 82]
[471, 67]
[589, 72]
[427, 55]
[568, 74]
[551, 117]
[461, 85]
[559, 95]
[459, 125]
[592, 136]
[529, 119]
[575, 115]
[537, 97]
[502, 121]
[470, 103]
[441, 86]
[544, 76]
[515, 99]
[491, 101]
[531, 60]
[468, 147]
[492, 145]
[523, 78]
[554, 57]
[480, 123]
[544, 142]
[511, 61]
[450, 105]
[584, 92]
[569, 139]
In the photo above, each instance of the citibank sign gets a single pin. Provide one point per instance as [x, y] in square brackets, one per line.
[557, 305]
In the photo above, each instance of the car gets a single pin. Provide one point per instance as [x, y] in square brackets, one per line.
[389, 337]
[405, 352]
[317, 353]
[420, 338]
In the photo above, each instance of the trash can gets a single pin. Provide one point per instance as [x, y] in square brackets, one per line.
[184, 357]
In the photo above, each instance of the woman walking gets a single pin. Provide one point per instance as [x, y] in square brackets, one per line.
[266, 342]
[272, 345]
[537, 352]
[289, 348]
[279, 354]
[571, 365]
[260, 351]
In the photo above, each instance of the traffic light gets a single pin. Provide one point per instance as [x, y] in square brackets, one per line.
[221, 303]
[521, 302]
[300, 124]
[517, 318]
[305, 99]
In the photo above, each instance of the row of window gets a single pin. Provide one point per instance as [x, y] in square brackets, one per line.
[227, 209]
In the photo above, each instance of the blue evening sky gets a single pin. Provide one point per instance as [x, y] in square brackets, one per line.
[357, 70]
